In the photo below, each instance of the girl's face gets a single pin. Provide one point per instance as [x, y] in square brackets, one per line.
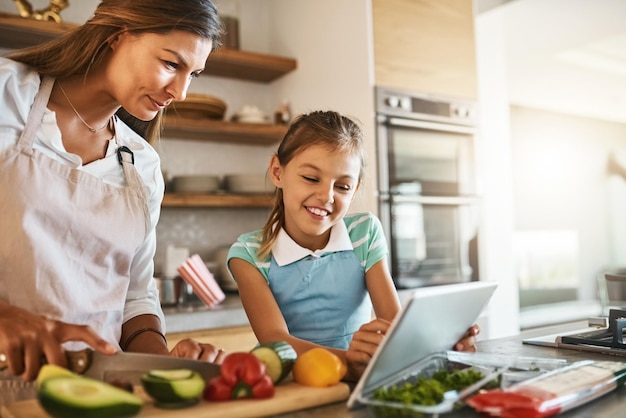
[146, 72]
[318, 186]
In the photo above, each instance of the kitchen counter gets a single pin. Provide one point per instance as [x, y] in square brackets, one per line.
[608, 406]
[197, 316]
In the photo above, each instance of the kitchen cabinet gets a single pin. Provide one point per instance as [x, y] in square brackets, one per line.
[425, 46]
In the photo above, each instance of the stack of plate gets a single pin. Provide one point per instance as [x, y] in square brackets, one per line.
[195, 184]
[248, 183]
[200, 106]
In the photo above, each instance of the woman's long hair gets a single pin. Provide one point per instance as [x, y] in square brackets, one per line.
[81, 48]
[330, 129]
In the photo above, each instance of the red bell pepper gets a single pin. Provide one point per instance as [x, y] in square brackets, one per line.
[242, 376]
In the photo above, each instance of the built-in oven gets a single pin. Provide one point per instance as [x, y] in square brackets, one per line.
[428, 197]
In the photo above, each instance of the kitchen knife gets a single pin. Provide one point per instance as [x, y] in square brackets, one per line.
[129, 366]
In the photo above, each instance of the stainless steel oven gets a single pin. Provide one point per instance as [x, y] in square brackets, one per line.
[428, 201]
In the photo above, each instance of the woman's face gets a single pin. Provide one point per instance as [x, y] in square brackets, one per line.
[146, 72]
[318, 186]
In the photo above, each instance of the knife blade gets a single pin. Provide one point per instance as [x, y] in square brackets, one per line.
[129, 366]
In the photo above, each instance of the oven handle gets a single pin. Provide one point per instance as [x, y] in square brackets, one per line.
[434, 200]
[433, 126]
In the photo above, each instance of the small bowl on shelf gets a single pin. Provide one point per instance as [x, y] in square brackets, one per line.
[195, 184]
[248, 184]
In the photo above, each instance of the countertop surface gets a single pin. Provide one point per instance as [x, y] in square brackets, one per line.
[230, 313]
[609, 406]
[197, 316]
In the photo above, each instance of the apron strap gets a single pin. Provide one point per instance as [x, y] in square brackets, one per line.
[35, 116]
[126, 159]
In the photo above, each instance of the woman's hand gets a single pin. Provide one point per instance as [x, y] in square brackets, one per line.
[468, 342]
[192, 349]
[363, 346]
[27, 339]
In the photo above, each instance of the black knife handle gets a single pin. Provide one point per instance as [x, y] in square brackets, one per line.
[77, 361]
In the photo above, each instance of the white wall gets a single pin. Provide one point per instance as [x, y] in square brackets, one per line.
[496, 247]
[331, 41]
[546, 171]
[561, 182]
[333, 72]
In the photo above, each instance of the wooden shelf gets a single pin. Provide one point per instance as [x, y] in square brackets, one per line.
[18, 32]
[223, 131]
[251, 66]
[173, 200]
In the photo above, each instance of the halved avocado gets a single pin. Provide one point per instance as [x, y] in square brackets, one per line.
[48, 371]
[70, 396]
[172, 388]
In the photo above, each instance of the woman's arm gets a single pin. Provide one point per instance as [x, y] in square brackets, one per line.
[143, 334]
[27, 338]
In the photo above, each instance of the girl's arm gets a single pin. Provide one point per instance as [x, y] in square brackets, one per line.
[386, 306]
[382, 291]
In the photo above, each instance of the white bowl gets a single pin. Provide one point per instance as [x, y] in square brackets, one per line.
[195, 184]
[248, 183]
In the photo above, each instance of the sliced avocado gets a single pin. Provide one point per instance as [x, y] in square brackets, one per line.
[70, 396]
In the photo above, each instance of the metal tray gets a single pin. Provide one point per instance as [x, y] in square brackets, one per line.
[504, 370]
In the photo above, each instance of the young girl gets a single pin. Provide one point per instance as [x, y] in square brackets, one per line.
[313, 274]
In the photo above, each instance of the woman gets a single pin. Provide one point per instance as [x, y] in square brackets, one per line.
[80, 191]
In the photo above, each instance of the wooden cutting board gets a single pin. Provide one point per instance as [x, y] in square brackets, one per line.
[289, 397]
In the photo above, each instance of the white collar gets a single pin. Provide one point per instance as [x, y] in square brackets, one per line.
[287, 251]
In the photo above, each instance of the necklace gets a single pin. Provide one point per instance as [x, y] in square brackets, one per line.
[93, 130]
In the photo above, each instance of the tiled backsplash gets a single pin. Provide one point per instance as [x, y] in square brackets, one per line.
[204, 230]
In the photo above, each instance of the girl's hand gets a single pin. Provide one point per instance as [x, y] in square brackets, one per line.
[468, 342]
[26, 340]
[195, 350]
[363, 346]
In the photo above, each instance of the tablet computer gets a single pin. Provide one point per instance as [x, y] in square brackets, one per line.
[433, 319]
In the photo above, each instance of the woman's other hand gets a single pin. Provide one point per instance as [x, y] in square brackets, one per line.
[26, 339]
[363, 346]
[195, 350]
[468, 342]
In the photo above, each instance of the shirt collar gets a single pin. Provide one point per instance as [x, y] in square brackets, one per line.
[287, 251]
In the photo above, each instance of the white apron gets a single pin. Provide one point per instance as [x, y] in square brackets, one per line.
[67, 238]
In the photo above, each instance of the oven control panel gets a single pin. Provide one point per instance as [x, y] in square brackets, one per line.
[421, 106]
